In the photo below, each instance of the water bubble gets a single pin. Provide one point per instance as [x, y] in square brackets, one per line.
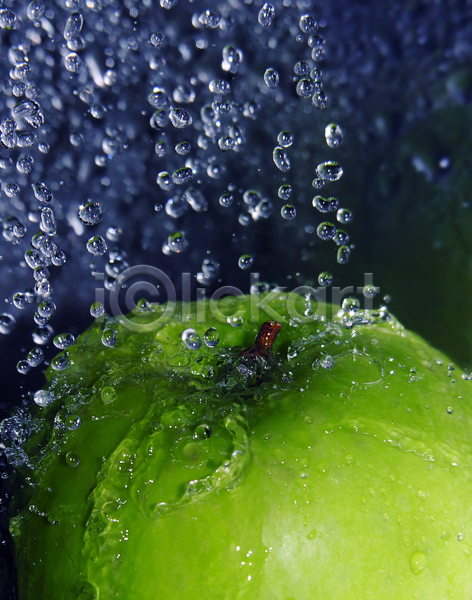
[344, 216]
[25, 164]
[271, 78]
[9, 139]
[12, 190]
[58, 258]
[460, 537]
[284, 192]
[42, 335]
[226, 199]
[156, 39]
[308, 24]
[219, 86]
[305, 88]
[98, 111]
[418, 562]
[73, 422]
[73, 26]
[47, 222]
[73, 62]
[72, 459]
[328, 362]
[211, 337]
[59, 363]
[343, 254]
[182, 175]
[325, 278]
[7, 18]
[43, 398]
[320, 100]
[183, 148]
[191, 339]
[23, 367]
[47, 309]
[285, 139]
[35, 357]
[329, 171]
[108, 394]
[158, 98]
[281, 159]
[252, 197]
[288, 212]
[35, 10]
[113, 233]
[42, 193]
[32, 258]
[231, 59]
[96, 245]
[245, 261]
[109, 338]
[180, 117]
[226, 143]
[369, 291]
[43, 147]
[63, 340]
[266, 15]
[302, 68]
[20, 300]
[326, 231]
[341, 237]
[41, 273]
[333, 135]
[322, 204]
[209, 19]
[97, 309]
[177, 242]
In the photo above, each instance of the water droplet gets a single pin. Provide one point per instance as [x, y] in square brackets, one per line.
[73, 26]
[156, 39]
[341, 237]
[182, 175]
[333, 135]
[460, 537]
[245, 261]
[108, 394]
[325, 278]
[326, 231]
[23, 367]
[35, 357]
[12, 190]
[35, 10]
[281, 159]
[344, 216]
[183, 148]
[329, 171]
[177, 242]
[271, 78]
[73, 62]
[90, 213]
[266, 15]
[73, 422]
[285, 139]
[449, 410]
[320, 99]
[25, 164]
[96, 245]
[308, 24]
[288, 212]
[343, 254]
[191, 339]
[369, 291]
[63, 340]
[305, 88]
[210, 19]
[284, 192]
[328, 362]
[20, 300]
[226, 199]
[43, 398]
[109, 338]
[219, 86]
[42, 193]
[418, 562]
[180, 118]
[72, 459]
[211, 337]
[7, 18]
[47, 309]
[59, 363]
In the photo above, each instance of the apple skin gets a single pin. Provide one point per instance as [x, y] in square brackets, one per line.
[182, 482]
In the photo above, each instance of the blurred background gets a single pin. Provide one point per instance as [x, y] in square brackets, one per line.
[194, 136]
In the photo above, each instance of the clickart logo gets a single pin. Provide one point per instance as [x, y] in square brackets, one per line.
[224, 304]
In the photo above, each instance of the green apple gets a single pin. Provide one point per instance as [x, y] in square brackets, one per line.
[338, 467]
